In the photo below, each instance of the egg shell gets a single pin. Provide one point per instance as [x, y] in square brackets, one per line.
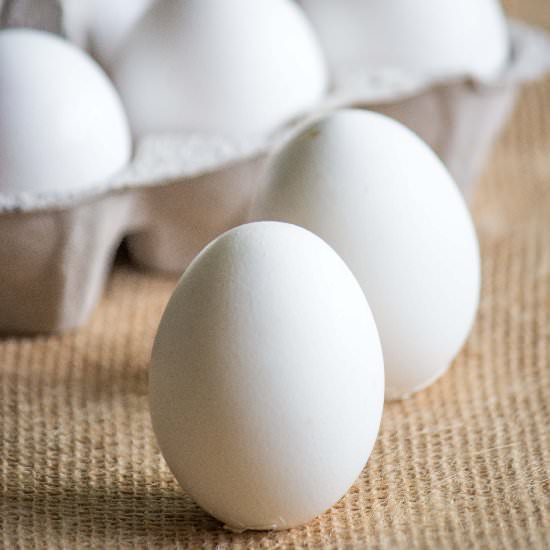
[266, 386]
[433, 38]
[228, 67]
[112, 21]
[101, 26]
[76, 17]
[62, 125]
[381, 198]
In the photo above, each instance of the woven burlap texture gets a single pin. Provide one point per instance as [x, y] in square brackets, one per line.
[464, 464]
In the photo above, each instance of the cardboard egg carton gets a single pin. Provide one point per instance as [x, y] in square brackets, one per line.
[181, 191]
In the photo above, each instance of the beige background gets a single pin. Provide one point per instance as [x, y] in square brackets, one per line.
[464, 464]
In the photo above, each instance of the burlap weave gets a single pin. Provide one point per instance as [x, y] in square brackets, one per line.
[463, 464]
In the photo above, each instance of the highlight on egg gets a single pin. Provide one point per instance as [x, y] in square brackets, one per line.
[267, 380]
[231, 68]
[62, 125]
[430, 38]
[382, 199]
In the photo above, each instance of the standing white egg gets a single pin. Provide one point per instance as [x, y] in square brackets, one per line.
[382, 199]
[267, 379]
[62, 125]
[228, 67]
[433, 38]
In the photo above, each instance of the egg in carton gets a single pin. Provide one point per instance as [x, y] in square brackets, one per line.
[66, 205]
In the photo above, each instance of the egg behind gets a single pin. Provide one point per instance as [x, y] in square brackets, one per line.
[101, 26]
[381, 198]
[266, 385]
[429, 38]
[226, 67]
[62, 125]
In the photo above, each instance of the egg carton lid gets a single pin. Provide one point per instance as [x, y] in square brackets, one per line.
[167, 158]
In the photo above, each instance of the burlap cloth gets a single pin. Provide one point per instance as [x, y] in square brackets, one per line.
[463, 464]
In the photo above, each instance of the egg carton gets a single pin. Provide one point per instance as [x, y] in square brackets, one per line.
[181, 191]
[45, 15]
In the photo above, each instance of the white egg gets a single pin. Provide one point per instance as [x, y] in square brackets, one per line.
[102, 25]
[382, 199]
[267, 379]
[62, 125]
[433, 38]
[226, 67]
[77, 15]
[111, 22]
